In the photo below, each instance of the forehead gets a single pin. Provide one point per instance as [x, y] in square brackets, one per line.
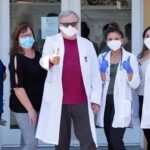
[113, 34]
[27, 30]
[69, 18]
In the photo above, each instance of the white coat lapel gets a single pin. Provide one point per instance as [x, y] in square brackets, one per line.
[81, 50]
[107, 57]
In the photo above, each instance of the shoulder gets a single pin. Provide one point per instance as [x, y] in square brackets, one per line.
[84, 40]
[53, 37]
[38, 53]
[102, 54]
[16, 57]
[129, 53]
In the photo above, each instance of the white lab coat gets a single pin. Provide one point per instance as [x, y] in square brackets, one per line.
[122, 91]
[50, 114]
[145, 120]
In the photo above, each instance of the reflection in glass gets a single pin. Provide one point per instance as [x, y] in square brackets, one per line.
[98, 13]
[32, 11]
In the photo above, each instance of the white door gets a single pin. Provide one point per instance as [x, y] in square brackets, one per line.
[13, 12]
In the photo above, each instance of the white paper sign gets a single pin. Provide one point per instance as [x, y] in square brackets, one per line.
[49, 26]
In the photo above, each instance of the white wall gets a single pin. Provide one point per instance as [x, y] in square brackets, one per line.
[137, 25]
[137, 30]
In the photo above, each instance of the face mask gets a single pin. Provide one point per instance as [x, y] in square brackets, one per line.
[114, 44]
[147, 42]
[68, 31]
[26, 42]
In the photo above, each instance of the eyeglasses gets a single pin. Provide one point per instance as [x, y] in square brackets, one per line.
[73, 24]
[23, 35]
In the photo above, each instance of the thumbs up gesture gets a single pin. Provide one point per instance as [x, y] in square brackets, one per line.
[55, 58]
[103, 65]
[126, 65]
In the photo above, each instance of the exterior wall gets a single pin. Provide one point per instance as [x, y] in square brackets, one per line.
[146, 13]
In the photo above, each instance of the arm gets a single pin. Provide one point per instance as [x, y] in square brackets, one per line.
[24, 99]
[134, 80]
[130, 76]
[17, 78]
[47, 52]
[96, 79]
[103, 65]
[50, 55]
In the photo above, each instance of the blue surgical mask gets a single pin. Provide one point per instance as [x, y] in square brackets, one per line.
[26, 42]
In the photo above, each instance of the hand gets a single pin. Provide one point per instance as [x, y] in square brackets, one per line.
[95, 108]
[103, 65]
[126, 65]
[55, 58]
[32, 117]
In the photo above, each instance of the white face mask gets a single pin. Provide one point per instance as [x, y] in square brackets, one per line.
[147, 42]
[69, 31]
[114, 44]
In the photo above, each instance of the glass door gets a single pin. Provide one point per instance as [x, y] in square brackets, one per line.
[96, 17]
[43, 16]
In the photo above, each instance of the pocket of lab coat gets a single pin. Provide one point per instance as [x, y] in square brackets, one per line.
[124, 110]
[49, 94]
[122, 116]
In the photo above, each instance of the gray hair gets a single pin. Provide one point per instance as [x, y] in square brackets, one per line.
[66, 13]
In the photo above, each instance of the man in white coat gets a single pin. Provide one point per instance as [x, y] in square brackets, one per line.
[72, 89]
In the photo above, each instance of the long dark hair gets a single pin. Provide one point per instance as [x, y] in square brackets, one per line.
[144, 49]
[16, 48]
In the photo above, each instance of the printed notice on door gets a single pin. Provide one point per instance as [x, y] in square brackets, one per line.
[49, 26]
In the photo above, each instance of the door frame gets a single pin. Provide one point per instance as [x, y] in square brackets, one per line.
[137, 29]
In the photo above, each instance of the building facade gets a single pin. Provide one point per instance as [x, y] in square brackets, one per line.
[12, 12]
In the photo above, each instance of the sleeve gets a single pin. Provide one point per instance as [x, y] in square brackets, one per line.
[16, 71]
[96, 79]
[134, 83]
[47, 52]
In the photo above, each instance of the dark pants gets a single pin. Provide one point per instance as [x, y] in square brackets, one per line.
[114, 135]
[79, 115]
[146, 131]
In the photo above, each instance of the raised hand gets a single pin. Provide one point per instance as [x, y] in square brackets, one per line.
[103, 65]
[126, 65]
[55, 58]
